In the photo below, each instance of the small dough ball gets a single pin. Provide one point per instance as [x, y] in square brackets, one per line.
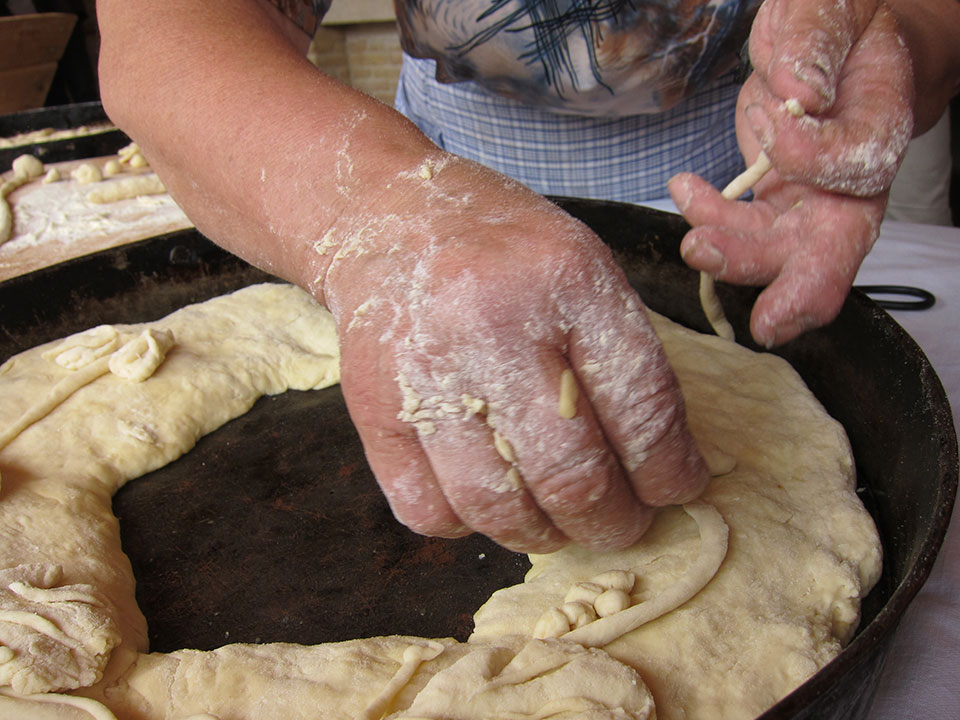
[87, 173]
[578, 613]
[52, 176]
[27, 166]
[112, 167]
[611, 602]
[127, 152]
[584, 592]
[552, 624]
[718, 462]
[794, 107]
[138, 161]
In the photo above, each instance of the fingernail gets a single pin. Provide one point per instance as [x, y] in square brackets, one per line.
[770, 337]
[703, 255]
[818, 78]
[761, 126]
[764, 332]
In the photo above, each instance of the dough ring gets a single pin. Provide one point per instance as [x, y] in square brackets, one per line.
[86, 653]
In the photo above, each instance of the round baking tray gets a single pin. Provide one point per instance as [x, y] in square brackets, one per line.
[278, 509]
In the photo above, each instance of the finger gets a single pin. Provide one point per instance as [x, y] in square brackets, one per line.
[562, 468]
[576, 474]
[799, 47]
[409, 483]
[485, 486]
[798, 301]
[736, 257]
[832, 236]
[726, 240]
[394, 452]
[703, 204]
[635, 395]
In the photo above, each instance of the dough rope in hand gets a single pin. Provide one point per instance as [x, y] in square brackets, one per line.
[712, 307]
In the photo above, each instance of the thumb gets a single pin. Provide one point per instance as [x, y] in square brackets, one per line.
[799, 47]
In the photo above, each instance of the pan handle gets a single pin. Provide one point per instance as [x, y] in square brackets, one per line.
[921, 299]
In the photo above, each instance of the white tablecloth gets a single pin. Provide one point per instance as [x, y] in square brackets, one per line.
[921, 678]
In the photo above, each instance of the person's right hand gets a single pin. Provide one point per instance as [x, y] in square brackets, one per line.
[460, 303]
[460, 296]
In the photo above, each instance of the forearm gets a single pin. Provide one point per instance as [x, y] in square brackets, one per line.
[264, 153]
[931, 31]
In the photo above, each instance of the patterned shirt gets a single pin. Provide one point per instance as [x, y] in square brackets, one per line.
[601, 99]
[602, 58]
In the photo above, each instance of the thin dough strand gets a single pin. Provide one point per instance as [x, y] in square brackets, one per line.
[708, 292]
[713, 549]
[94, 709]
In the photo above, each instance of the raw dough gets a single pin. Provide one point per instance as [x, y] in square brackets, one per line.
[54, 221]
[712, 307]
[567, 405]
[127, 188]
[786, 597]
[87, 174]
[55, 506]
[25, 168]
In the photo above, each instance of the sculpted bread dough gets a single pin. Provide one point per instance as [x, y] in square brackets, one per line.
[803, 550]
[760, 583]
[72, 208]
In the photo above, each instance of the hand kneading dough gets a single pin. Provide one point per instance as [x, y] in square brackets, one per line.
[802, 550]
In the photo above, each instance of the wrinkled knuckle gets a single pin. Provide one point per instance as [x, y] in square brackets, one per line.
[682, 481]
[502, 517]
[569, 485]
[489, 505]
[660, 416]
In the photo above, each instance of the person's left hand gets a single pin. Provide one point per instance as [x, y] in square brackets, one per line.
[817, 213]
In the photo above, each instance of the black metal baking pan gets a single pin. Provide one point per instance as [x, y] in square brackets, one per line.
[61, 117]
[282, 498]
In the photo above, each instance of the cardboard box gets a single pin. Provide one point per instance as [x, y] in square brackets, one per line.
[30, 49]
